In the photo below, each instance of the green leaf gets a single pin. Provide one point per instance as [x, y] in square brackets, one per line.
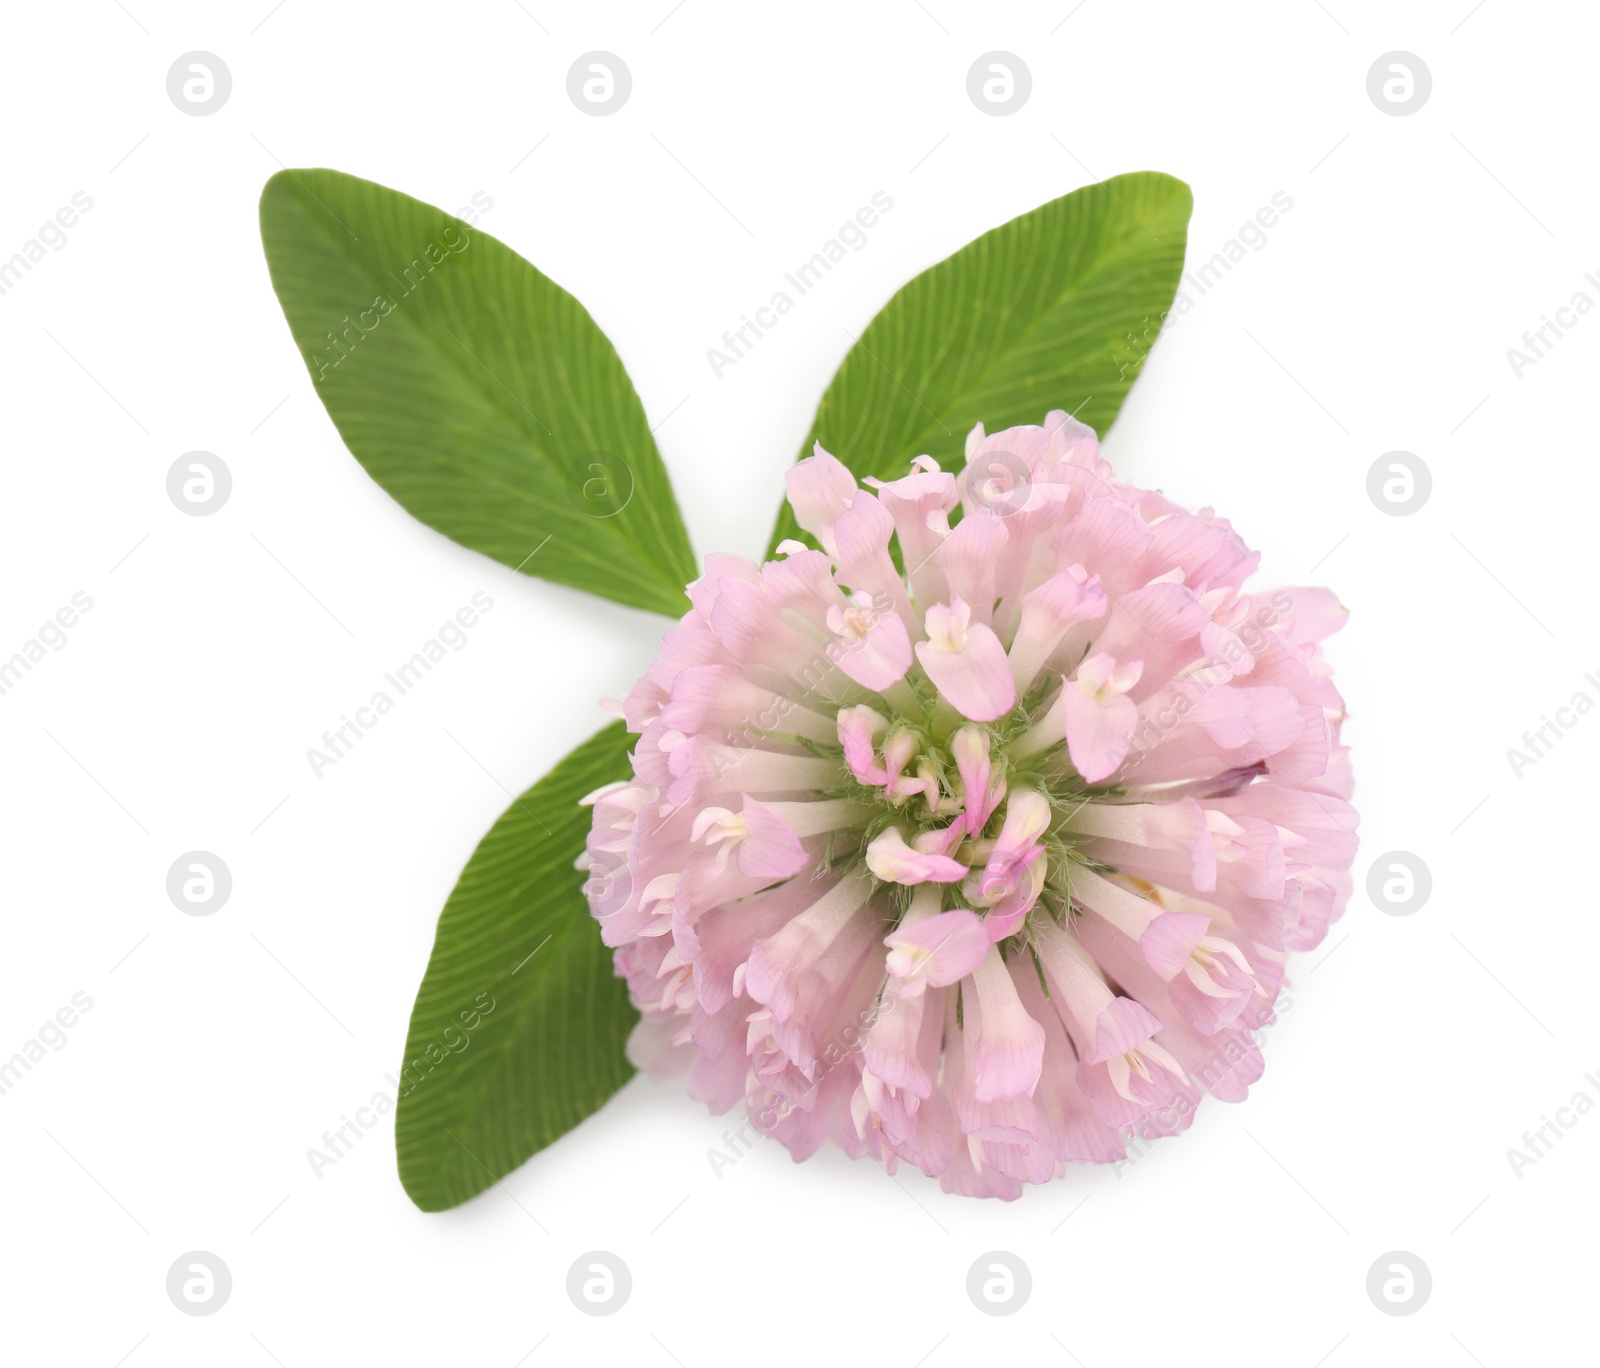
[520, 1023]
[475, 390]
[1054, 310]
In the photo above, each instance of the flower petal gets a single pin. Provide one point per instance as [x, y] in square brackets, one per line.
[974, 677]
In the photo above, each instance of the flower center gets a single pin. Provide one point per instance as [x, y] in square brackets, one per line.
[962, 808]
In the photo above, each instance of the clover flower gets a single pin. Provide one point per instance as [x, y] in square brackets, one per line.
[976, 839]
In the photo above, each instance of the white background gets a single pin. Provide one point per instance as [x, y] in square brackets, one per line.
[219, 1049]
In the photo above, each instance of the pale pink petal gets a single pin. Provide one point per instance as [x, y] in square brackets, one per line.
[893, 861]
[967, 558]
[1048, 612]
[860, 729]
[981, 790]
[820, 489]
[1008, 1051]
[1098, 734]
[862, 534]
[1170, 939]
[936, 951]
[769, 850]
[967, 663]
[871, 647]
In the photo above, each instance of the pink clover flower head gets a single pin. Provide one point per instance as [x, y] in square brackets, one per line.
[979, 838]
